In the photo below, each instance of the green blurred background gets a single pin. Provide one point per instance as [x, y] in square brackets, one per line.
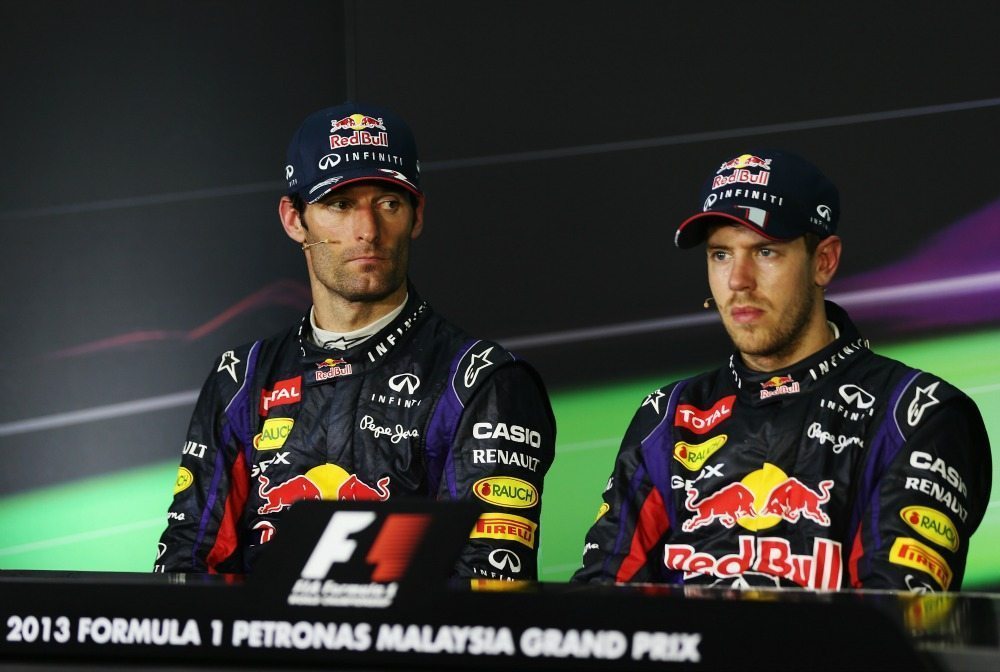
[112, 523]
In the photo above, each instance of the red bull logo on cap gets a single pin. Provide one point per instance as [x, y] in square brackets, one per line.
[745, 161]
[777, 385]
[327, 481]
[356, 122]
[763, 499]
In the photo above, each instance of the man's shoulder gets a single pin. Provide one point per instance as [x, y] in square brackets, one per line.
[233, 365]
[699, 393]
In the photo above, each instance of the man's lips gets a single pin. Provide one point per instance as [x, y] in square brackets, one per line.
[745, 314]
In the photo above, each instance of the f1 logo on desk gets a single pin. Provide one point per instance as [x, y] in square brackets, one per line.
[388, 556]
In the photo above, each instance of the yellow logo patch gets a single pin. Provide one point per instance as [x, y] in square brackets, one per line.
[505, 526]
[932, 525]
[915, 555]
[184, 480]
[273, 433]
[605, 507]
[694, 455]
[512, 493]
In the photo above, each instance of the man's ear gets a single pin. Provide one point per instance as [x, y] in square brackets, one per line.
[291, 220]
[418, 218]
[826, 260]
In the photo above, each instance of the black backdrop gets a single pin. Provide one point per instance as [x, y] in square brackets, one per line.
[142, 149]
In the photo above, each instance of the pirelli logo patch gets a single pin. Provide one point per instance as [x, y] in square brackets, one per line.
[915, 555]
[505, 526]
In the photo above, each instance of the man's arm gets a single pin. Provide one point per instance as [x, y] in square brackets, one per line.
[625, 543]
[915, 526]
[203, 533]
[504, 444]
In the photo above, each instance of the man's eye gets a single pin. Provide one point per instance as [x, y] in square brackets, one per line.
[766, 252]
[717, 255]
[390, 204]
[337, 205]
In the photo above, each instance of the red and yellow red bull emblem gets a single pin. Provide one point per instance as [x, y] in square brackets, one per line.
[327, 481]
[332, 368]
[745, 161]
[356, 122]
[763, 499]
[776, 385]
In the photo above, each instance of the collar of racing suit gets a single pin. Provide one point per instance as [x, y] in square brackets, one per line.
[758, 389]
[320, 366]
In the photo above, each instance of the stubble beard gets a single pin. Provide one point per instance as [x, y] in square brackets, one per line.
[364, 283]
[777, 342]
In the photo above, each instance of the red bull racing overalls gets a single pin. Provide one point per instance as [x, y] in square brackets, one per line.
[848, 469]
[419, 409]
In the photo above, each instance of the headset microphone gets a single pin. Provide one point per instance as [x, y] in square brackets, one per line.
[306, 246]
[708, 303]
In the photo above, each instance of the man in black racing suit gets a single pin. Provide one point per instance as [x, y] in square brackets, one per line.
[808, 460]
[373, 395]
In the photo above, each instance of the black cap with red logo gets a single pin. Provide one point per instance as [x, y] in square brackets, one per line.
[775, 193]
[350, 142]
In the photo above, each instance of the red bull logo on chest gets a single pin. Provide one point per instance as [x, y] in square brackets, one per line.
[327, 481]
[763, 499]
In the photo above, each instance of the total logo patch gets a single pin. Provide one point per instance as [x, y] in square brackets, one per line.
[287, 391]
[184, 480]
[932, 525]
[694, 455]
[915, 555]
[507, 492]
[273, 434]
[699, 421]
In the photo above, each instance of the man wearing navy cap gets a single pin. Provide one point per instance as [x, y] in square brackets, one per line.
[372, 395]
[807, 460]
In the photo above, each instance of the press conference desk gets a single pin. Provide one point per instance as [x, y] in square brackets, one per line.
[84, 621]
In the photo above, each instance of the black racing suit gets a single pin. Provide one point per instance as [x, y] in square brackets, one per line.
[848, 469]
[420, 409]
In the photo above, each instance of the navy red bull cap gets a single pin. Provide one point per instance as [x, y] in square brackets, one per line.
[339, 145]
[775, 193]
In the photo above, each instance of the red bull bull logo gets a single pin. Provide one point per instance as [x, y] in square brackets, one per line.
[284, 494]
[777, 385]
[745, 161]
[332, 368]
[727, 506]
[327, 481]
[356, 490]
[761, 500]
[356, 122]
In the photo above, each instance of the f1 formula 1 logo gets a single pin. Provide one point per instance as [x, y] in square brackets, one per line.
[761, 500]
[389, 556]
